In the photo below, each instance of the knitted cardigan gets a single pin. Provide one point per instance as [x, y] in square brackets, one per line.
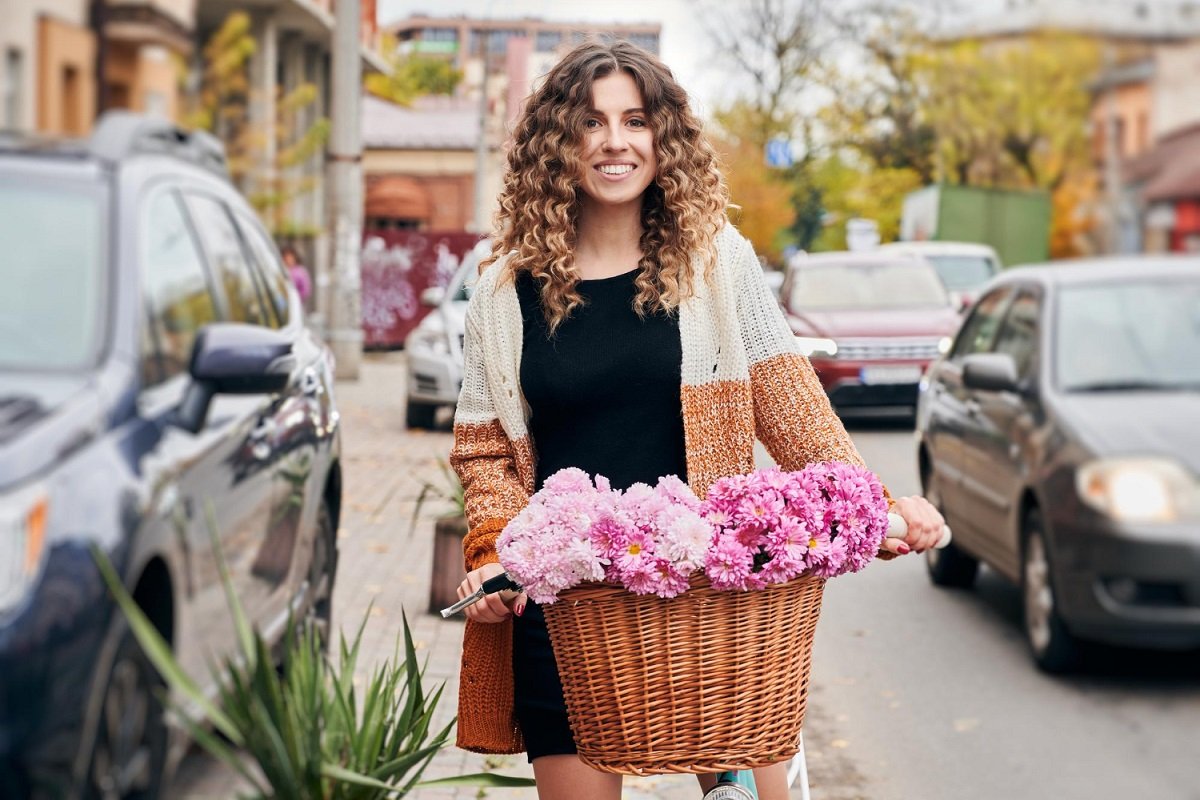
[742, 378]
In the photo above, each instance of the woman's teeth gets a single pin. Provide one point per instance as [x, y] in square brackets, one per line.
[616, 169]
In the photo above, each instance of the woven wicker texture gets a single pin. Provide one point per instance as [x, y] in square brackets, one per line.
[703, 682]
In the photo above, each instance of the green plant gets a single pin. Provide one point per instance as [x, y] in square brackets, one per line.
[450, 491]
[309, 733]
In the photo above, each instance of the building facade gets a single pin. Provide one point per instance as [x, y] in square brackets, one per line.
[47, 68]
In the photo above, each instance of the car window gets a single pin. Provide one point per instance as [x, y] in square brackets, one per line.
[1018, 335]
[963, 272]
[215, 229]
[1141, 333]
[176, 289]
[53, 273]
[980, 328]
[268, 266]
[893, 284]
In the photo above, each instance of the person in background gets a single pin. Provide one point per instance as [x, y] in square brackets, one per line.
[298, 272]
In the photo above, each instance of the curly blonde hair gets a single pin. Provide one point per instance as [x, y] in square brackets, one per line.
[682, 209]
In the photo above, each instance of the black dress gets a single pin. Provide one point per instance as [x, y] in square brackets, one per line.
[604, 394]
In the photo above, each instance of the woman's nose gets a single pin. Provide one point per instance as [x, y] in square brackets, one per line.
[614, 140]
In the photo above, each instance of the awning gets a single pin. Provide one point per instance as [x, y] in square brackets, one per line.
[397, 196]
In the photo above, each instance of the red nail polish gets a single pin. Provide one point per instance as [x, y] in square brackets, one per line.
[519, 609]
[903, 548]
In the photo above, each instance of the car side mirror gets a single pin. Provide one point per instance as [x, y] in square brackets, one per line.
[990, 372]
[233, 358]
[433, 296]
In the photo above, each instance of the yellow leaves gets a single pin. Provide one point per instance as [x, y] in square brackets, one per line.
[764, 197]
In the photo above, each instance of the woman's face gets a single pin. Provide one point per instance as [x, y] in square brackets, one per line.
[618, 145]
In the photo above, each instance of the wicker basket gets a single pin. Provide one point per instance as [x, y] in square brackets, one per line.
[703, 682]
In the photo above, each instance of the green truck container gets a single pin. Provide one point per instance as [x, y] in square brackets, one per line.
[1015, 223]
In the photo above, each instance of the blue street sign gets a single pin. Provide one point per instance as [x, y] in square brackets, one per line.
[779, 153]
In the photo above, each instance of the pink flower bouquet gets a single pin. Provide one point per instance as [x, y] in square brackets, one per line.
[753, 530]
[772, 526]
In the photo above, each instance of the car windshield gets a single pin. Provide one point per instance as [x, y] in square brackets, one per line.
[963, 272]
[52, 271]
[1129, 336]
[893, 284]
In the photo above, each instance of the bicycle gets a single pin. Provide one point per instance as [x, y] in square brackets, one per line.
[731, 784]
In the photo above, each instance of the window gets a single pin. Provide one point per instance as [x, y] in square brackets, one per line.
[53, 273]
[14, 76]
[980, 328]
[547, 40]
[269, 267]
[177, 293]
[646, 41]
[224, 249]
[1018, 337]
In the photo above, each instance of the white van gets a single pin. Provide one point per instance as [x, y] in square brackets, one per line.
[964, 267]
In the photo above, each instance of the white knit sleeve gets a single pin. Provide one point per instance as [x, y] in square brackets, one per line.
[765, 332]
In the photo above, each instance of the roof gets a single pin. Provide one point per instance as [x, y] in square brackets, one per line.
[940, 248]
[1078, 271]
[1171, 169]
[431, 123]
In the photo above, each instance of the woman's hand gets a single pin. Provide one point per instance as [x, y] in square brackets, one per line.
[925, 525]
[493, 607]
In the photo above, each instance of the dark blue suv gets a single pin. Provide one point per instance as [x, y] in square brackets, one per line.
[157, 383]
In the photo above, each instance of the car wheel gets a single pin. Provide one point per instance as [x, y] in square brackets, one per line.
[420, 415]
[947, 566]
[1054, 649]
[321, 573]
[130, 748]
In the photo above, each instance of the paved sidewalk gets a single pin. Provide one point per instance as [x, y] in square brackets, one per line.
[380, 563]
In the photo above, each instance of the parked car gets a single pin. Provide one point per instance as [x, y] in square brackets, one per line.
[964, 267]
[157, 387]
[1060, 436]
[869, 322]
[435, 347]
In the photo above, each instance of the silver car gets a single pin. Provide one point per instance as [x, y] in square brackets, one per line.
[434, 348]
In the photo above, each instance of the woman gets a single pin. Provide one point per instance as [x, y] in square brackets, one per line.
[622, 327]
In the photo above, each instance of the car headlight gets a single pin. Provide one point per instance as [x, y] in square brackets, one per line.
[944, 345]
[811, 346]
[23, 519]
[1139, 489]
[434, 341]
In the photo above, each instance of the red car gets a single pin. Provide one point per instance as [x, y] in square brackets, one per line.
[869, 322]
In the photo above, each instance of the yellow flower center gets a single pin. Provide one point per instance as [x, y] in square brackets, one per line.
[812, 543]
[634, 549]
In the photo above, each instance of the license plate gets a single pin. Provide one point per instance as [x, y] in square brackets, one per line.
[876, 375]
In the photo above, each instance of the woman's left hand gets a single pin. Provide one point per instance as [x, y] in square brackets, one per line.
[925, 525]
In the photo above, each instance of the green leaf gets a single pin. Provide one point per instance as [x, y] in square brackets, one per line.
[488, 779]
[349, 776]
[159, 652]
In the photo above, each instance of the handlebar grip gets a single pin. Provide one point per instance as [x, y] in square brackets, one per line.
[897, 528]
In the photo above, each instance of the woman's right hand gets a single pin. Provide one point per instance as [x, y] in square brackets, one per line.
[493, 607]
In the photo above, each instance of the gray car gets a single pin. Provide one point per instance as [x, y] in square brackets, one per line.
[1060, 436]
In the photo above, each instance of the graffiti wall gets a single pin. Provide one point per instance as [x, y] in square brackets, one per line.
[396, 267]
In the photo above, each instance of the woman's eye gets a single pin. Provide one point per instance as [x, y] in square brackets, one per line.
[592, 124]
[637, 123]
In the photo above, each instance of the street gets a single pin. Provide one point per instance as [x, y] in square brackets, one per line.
[926, 693]
[918, 692]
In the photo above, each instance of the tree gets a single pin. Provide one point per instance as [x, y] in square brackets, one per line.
[764, 200]
[774, 46]
[411, 76]
[223, 108]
